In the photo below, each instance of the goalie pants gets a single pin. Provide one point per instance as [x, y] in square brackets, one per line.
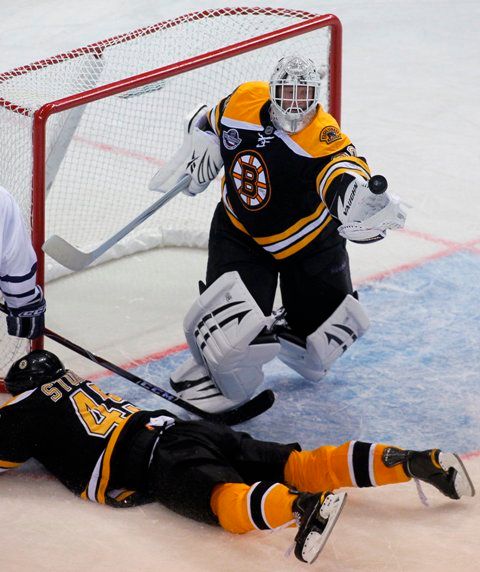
[313, 283]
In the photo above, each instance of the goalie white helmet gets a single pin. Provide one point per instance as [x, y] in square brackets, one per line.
[294, 92]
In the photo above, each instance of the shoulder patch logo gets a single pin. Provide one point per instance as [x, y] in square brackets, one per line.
[330, 134]
[231, 139]
[250, 177]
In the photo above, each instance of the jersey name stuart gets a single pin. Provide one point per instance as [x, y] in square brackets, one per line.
[270, 189]
[71, 426]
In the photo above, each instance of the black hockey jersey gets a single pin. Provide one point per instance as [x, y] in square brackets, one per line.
[280, 188]
[75, 430]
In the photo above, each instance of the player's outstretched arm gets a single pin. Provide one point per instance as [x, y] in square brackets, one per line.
[357, 200]
[367, 211]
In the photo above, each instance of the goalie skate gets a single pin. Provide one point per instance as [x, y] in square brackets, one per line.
[316, 515]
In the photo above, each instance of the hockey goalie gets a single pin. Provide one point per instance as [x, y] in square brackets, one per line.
[294, 191]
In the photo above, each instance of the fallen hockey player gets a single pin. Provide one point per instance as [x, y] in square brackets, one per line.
[106, 450]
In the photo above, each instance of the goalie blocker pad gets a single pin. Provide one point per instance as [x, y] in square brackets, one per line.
[222, 330]
[199, 157]
[327, 343]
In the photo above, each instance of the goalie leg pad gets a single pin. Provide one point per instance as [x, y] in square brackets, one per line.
[314, 357]
[193, 383]
[223, 330]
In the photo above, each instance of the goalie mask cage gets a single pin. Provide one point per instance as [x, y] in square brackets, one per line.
[82, 133]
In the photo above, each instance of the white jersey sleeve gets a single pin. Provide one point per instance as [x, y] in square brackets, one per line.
[18, 262]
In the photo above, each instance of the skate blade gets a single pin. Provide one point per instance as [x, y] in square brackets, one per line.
[315, 541]
[463, 484]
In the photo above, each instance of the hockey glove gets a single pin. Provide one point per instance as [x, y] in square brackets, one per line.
[366, 216]
[27, 321]
[199, 156]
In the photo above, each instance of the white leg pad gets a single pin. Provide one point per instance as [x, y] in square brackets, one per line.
[193, 383]
[220, 328]
[328, 342]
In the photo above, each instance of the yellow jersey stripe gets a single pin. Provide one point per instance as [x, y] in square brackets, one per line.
[123, 495]
[279, 251]
[302, 243]
[8, 465]
[333, 175]
[236, 222]
[105, 470]
[354, 164]
[292, 230]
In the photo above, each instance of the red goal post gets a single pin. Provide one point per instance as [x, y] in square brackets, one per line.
[82, 133]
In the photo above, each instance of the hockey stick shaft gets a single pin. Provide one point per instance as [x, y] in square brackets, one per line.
[252, 408]
[74, 259]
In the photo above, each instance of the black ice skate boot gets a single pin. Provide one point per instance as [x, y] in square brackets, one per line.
[445, 471]
[316, 515]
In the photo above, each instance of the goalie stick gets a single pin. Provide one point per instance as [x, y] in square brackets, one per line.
[74, 259]
[256, 406]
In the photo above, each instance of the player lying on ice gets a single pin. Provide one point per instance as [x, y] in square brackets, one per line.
[294, 190]
[105, 449]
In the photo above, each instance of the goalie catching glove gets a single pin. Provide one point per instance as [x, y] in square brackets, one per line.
[366, 216]
[199, 157]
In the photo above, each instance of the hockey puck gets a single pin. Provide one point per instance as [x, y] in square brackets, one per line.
[377, 184]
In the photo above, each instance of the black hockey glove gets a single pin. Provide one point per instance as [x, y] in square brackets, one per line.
[27, 321]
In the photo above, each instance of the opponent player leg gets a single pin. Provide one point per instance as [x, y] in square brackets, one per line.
[323, 317]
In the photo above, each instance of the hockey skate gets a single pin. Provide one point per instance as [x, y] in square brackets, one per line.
[444, 471]
[316, 515]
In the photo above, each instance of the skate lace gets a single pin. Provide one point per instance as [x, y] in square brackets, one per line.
[421, 495]
[296, 521]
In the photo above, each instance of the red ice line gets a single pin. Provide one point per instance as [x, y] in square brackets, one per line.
[451, 247]
[119, 151]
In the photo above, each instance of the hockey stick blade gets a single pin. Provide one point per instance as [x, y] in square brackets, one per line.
[66, 254]
[256, 406]
[74, 259]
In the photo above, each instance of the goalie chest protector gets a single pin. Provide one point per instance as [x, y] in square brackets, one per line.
[270, 188]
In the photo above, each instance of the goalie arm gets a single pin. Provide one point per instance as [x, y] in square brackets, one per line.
[360, 202]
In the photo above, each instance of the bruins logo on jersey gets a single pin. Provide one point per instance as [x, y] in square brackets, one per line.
[250, 177]
[330, 134]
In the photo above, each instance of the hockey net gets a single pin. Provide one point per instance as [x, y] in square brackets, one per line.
[82, 133]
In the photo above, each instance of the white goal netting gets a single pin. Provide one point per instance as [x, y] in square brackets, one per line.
[100, 156]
